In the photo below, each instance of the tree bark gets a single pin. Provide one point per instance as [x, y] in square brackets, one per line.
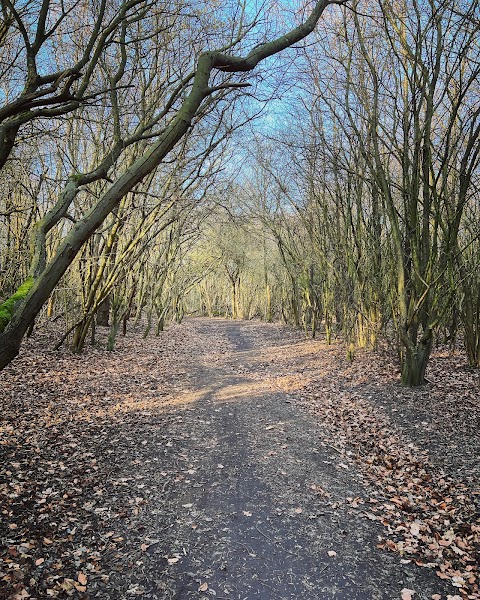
[415, 363]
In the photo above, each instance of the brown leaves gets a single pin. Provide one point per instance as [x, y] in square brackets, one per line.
[80, 587]
[78, 481]
[428, 515]
[71, 427]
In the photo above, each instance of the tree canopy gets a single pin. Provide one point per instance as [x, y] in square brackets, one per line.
[310, 166]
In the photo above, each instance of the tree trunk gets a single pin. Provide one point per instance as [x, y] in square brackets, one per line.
[50, 306]
[9, 347]
[268, 304]
[415, 363]
[112, 336]
[103, 313]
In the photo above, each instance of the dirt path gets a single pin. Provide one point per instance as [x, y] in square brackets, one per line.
[259, 505]
[204, 478]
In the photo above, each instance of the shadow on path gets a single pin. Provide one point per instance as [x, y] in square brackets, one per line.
[257, 510]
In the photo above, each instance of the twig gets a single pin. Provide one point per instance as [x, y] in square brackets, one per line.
[335, 448]
[264, 534]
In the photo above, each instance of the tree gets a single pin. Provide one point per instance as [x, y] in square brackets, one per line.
[50, 53]
[405, 93]
[180, 111]
[372, 193]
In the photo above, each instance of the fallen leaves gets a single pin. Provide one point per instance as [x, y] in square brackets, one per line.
[429, 517]
[74, 487]
[71, 491]
[415, 529]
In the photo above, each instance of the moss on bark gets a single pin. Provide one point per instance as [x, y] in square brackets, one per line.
[8, 307]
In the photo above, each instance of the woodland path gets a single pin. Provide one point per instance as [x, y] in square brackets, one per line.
[254, 521]
[209, 478]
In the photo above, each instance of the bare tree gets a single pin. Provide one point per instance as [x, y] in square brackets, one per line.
[180, 111]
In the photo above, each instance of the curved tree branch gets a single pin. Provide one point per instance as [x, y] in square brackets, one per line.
[179, 125]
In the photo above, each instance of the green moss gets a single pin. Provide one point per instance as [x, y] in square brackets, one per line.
[8, 307]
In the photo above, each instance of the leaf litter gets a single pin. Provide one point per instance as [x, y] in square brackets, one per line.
[428, 505]
[71, 425]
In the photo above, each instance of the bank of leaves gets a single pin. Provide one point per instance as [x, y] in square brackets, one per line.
[430, 515]
[71, 427]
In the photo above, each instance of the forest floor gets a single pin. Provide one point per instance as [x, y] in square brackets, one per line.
[236, 460]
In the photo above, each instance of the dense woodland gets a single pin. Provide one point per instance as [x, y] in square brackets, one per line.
[163, 159]
[303, 178]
